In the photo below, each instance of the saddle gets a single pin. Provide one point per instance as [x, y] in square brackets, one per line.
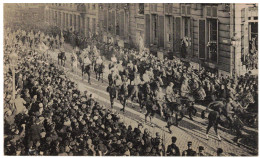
[87, 68]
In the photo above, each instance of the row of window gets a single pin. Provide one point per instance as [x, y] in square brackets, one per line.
[180, 29]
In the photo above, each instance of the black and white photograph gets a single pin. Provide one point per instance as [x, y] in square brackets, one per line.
[130, 79]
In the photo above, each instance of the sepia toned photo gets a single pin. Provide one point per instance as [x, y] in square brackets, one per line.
[130, 79]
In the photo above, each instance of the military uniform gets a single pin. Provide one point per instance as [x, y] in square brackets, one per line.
[159, 97]
[111, 89]
[135, 83]
[189, 151]
[146, 77]
[170, 95]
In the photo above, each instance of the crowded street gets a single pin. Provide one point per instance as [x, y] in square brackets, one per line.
[69, 95]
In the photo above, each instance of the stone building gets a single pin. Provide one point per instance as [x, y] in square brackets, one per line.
[24, 15]
[217, 36]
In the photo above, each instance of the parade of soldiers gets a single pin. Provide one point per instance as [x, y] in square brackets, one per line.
[49, 115]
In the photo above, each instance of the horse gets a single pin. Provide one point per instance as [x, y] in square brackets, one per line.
[179, 108]
[171, 109]
[123, 95]
[218, 117]
[62, 58]
[99, 70]
[86, 69]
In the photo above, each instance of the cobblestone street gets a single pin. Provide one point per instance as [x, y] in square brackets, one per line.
[187, 131]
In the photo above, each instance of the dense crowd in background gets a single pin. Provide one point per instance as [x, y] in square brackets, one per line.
[50, 116]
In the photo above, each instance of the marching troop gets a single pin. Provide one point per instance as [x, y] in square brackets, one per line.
[50, 116]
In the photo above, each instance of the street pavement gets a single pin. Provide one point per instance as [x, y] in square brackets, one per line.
[187, 130]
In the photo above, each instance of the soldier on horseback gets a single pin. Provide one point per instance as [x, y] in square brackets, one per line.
[86, 67]
[135, 83]
[170, 95]
[99, 67]
[113, 61]
[159, 99]
[146, 77]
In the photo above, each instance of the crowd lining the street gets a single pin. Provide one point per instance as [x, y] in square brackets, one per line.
[50, 116]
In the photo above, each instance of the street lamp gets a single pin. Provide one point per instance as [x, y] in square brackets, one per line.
[13, 58]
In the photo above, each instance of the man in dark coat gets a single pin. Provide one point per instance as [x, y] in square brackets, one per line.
[111, 89]
[189, 151]
[173, 149]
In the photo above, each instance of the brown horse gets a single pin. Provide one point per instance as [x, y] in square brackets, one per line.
[62, 58]
[99, 70]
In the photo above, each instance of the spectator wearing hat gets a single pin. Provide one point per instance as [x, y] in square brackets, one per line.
[201, 151]
[189, 151]
[138, 130]
[173, 149]
[220, 152]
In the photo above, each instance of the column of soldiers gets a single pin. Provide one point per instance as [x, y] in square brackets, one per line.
[52, 117]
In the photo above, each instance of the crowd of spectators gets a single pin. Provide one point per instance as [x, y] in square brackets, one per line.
[50, 116]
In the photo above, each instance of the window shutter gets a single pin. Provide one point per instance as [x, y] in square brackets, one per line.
[217, 41]
[183, 10]
[173, 33]
[166, 8]
[208, 11]
[122, 22]
[147, 29]
[243, 15]
[170, 8]
[188, 10]
[178, 34]
[161, 31]
[191, 35]
[113, 21]
[214, 12]
[202, 38]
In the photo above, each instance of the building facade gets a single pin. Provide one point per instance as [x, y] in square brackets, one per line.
[218, 36]
[24, 16]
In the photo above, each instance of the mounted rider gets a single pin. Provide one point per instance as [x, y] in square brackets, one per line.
[185, 89]
[113, 61]
[112, 77]
[118, 83]
[74, 55]
[146, 77]
[159, 98]
[170, 95]
[99, 60]
[135, 83]
[120, 67]
[87, 66]
[86, 61]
